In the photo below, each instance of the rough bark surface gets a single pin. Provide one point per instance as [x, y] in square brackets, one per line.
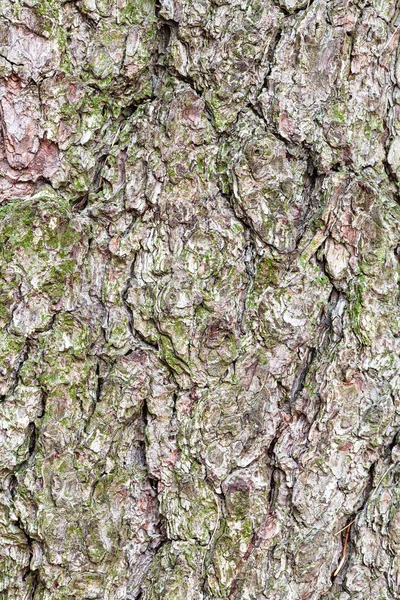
[199, 303]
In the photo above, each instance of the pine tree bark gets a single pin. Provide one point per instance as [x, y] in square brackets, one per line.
[199, 303]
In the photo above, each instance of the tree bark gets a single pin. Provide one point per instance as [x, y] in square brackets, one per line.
[199, 300]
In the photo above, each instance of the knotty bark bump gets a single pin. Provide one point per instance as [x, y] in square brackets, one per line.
[199, 305]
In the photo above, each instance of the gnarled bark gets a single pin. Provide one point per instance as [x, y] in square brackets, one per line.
[199, 300]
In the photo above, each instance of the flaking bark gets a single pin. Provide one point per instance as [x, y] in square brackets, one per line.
[199, 304]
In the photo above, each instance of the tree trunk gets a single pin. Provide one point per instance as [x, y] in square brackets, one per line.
[199, 300]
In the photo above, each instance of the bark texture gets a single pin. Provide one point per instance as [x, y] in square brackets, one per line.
[199, 301]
